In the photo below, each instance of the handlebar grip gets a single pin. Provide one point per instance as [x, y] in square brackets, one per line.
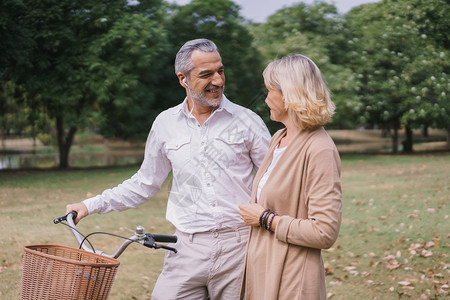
[64, 218]
[74, 213]
[162, 238]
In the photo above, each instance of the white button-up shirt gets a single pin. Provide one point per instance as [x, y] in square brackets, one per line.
[213, 166]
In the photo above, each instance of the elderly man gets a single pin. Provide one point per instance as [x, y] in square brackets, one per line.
[213, 148]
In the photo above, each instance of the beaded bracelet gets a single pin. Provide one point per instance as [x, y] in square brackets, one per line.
[265, 219]
[262, 216]
[271, 220]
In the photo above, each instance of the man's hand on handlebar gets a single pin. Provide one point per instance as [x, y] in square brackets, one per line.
[80, 208]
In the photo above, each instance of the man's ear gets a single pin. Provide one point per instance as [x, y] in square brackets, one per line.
[183, 80]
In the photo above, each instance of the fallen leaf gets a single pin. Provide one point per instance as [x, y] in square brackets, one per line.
[426, 253]
[328, 269]
[392, 267]
[429, 244]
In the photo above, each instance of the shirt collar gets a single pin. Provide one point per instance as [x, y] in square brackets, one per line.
[225, 105]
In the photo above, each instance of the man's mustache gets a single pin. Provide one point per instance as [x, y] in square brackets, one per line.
[212, 87]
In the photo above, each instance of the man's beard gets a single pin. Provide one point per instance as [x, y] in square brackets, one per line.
[202, 99]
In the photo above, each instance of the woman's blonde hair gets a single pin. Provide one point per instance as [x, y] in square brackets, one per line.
[306, 95]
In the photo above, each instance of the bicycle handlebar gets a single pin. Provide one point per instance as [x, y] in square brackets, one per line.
[164, 238]
[147, 239]
[74, 215]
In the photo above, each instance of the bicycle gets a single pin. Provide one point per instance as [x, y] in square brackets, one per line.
[60, 272]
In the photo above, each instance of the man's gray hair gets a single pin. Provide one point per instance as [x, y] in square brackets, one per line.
[183, 62]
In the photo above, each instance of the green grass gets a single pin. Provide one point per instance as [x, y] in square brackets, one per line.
[391, 203]
[393, 241]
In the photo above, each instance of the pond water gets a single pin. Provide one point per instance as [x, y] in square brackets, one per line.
[30, 160]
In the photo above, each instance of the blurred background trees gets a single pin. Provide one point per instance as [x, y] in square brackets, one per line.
[108, 65]
[401, 64]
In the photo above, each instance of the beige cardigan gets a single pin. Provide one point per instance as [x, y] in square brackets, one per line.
[304, 188]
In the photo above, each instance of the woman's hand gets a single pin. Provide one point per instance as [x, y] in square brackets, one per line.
[250, 213]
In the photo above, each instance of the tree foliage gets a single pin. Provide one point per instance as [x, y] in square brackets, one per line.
[108, 64]
[83, 57]
[401, 71]
[314, 30]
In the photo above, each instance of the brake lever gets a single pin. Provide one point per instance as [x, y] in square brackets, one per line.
[157, 246]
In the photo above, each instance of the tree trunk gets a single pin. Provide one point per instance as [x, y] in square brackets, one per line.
[425, 131]
[64, 142]
[395, 137]
[2, 137]
[408, 142]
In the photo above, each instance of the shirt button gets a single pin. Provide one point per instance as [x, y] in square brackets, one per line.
[215, 234]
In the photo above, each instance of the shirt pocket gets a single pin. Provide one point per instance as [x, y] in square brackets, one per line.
[178, 151]
[230, 152]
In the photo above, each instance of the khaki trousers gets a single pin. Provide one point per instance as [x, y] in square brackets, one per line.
[208, 264]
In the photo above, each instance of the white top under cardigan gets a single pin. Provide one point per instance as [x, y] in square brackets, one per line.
[276, 156]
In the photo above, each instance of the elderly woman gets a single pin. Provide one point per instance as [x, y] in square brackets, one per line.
[296, 207]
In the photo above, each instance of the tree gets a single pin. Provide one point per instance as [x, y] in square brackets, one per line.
[430, 17]
[315, 31]
[219, 21]
[132, 43]
[83, 56]
[393, 61]
[16, 118]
